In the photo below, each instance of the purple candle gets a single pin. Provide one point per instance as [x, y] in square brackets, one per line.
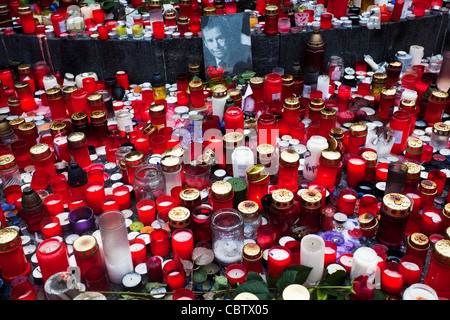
[82, 220]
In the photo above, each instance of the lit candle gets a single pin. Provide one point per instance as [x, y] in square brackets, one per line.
[346, 260]
[122, 194]
[51, 227]
[182, 243]
[347, 201]
[12, 256]
[174, 275]
[364, 262]
[431, 220]
[323, 85]
[138, 251]
[356, 168]
[279, 258]
[159, 242]
[330, 253]
[110, 203]
[381, 171]
[95, 194]
[419, 291]
[52, 257]
[236, 273]
[146, 211]
[54, 204]
[411, 269]
[391, 278]
[312, 254]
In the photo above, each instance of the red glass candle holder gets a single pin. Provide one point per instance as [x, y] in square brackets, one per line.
[234, 119]
[391, 278]
[368, 204]
[158, 29]
[96, 279]
[160, 242]
[236, 273]
[95, 195]
[52, 257]
[266, 236]
[122, 194]
[325, 20]
[110, 202]
[330, 253]
[347, 201]
[183, 294]
[159, 144]
[411, 268]
[138, 251]
[399, 122]
[164, 202]
[440, 178]
[146, 210]
[182, 243]
[381, 172]
[356, 168]
[58, 185]
[23, 291]
[12, 257]
[346, 260]
[431, 220]
[174, 274]
[51, 227]
[278, 259]
[54, 203]
[78, 100]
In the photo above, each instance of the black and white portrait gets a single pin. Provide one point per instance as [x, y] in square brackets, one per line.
[227, 42]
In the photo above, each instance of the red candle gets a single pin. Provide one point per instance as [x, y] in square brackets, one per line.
[182, 243]
[23, 291]
[174, 274]
[381, 172]
[51, 227]
[54, 204]
[76, 203]
[52, 257]
[368, 204]
[273, 86]
[391, 278]
[347, 201]
[110, 203]
[236, 273]
[122, 194]
[266, 236]
[146, 210]
[183, 294]
[279, 257]
[234, 119]
[397, 11]
[122, 79]
[165, 202]
[141, 143]
[431, 220]
[95, 195]
[87, 254]
[159, 242]
[356, 168]
[346, 260]
[330, 253]
[411, 268]
[12, 256]
[138, 251]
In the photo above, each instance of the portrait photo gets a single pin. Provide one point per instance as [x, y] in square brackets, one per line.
[227, 42]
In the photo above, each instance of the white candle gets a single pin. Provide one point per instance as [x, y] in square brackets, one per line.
[50, 82]
[236, 273]
[419, 291]
[410, 266]
[242, 159]
[364, 262]
[136, 247]
[117, 269]
[165, 203]
[314, 146]
[182, 236]
[312, 254]
[278, 254]
[50, 225]
[416, 53]
[296, 292]
[323, 84]
[409, 95]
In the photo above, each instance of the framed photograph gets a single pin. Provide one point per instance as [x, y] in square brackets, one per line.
[227, 42]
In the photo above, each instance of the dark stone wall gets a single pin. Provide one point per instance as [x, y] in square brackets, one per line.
[170, 56]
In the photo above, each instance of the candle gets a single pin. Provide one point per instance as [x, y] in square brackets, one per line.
[419, 291]
[346, 260]
[146, 211]
[183, 294]
[154, 269]
[122, 194]
[431, 220]
[323, 84]
[159, 242]
[110, 203]
[132, 281]
[416, 53]
[51, 227]
[315, 145]
[54, 204]
[381, 171]
[82, 220]
[52, 257]
[236, 273]
[330, 253]
[356, 168]
[312, 254]
[411, 268]
[266, 236]
[87, 254]
[95, 194]
[12, 256]
[182, 243]
[364, 262]
[347, 201]
[279, 258]
[164, 202]
[138, 251]
[174, 275]
[23, 291]
[391, 278]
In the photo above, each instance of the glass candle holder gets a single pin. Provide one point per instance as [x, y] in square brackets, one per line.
[328, 168]
[96, 279]
[325, 20]
[288, 170]
[391, 278]
[400, 124]
[282, 212]
[52, 257]
[77, 144]
[51, 227]
[411, 268]
[347, 201]
[310, 209]
[23, 291]
[82, 220]
[356, 168]
[115, 243]
[436, 106]
[201, 222]
[440, 135]
[146, 210]
[182, 243]
[160, 242]
[27, 19]
[279, 258]
[138, 251]
[271, 20]
[122, 194]
[43, 159]
[221, 195]
[25, 96]
[87, 254]
[427, 189]
[95, 195]
[149, 182]
[357, 137]
[396, 177]
[12, 257]
[174, 274]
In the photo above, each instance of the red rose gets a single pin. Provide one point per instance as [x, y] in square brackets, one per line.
[361, 290]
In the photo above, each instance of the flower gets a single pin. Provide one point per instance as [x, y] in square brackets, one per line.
[361, 289]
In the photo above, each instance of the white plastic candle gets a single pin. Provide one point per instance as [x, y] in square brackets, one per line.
[236, 273]
[314, 146]
[409, 95]
[364, 262]
[50, 82]
[416, 53]
[323, 84]
[242, 158]
[420, 291]
[312, 254]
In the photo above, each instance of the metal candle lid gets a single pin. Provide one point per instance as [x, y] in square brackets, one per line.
[14, 102]
[256, 82]
[76, 140]
[396, 205]
[94, 99]
[316, 104]
[85, 246]
[79, 118]
[67, 91]
[413, 171]
[9, 239]
[22, 86]
[446, 210]
[232, 140]
[195, 85]
[157, 110]
[134, 159]
[170, 163]
[53, 93]
[175, 151]
[441, 129]
[148, 129]
[328, 113]
[289, 159]
[291, 103]
[271, 10]
[190, 197]
[248, 208]
[97, 116]
[439, 96]
[265, 151]
[367, 220]
[310, 199]
[395, 65]
[407, 103]
[257, 173]
[251, 252]
[358, 129]
[222, 190]
[441, 251]
[388, 93]
[282, 199]
[7, 162]
[419, 241]
[330, 157]
[337, 133]
[428, 187]
[179, 217]
[219, 91]
[414, 146]
[40, 151]
[370, 157]
[27, 128]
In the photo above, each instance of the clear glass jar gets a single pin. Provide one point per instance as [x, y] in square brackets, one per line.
[335, 68]
[124, 121]
[149, 182]
[171, 168]
[439, 135]
[252, 219]
[227, 234]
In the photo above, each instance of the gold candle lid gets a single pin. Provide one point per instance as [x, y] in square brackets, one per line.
[94, 99]
[257, 173]
[85, 246]
[24, 68]
[175, 151]
[22, 86]
[291, 103]
[189, 197]
[413, 171]
[209, 11]
[194, 67]
[311, 199]
[419, 241]
[367, 220]
[148, 129]
[316, 40]
[287, 80]
[336, 133]
[328, 113]
[27, 128]
[428, 187]
[265, 151]
[441, 128]
[157, 110]
[289, 158]
[40, 151]
[170, 14]
[316, 104]
[441, 251]
[9, 239]
[195, 85]
[251, 252]
[379, 77]
[53, 93]
[134, 159]
[256, 82]
[79, 118]
[14, 102]
[235, 94]
[439, 96]
[219, 91]
[222, 190]
[183, 20]
[7, 161]
[76, 140]
[446, 210]
[407, 103]
[396, 204]
[358, 129]
[248, 208]
[24, 9]
[282, 199]
[395, 65]
[414, 146]
[170, 163]
[67, 91]
[330, 157]
[232, 140]
[271, 10]
[97, 116]
[179, 217]
[388, 93]
[16, 122]
[370, 157]
[58, 127]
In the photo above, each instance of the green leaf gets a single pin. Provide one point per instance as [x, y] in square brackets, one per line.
[107, 5]
[200, 275]
[302, 272]
[202, 256]
[220, 283]
[286, 278]
[256, 287]
[228, 80]
[337, 278]
[248, 74]
[251, 275]
[321, 294]
[379, 295]
[153, 285]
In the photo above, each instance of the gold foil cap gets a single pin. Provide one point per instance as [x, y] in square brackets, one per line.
[79, 118]
[371, 158]
[446, 210]
[9, 239]
[179, 217]
[282, 199]
[336, 133]
[271, 10]
[291, 103]
[441, 251]
[97, 116]
[170, 163]
[170, 14]
[53, 93]
[195, 85]
[7, 161]
[189, 197]
[256, 82]
[358, 129]
[40, 151]
[22, 86]
[85, 246]
[27, 128]
[209, 11]
[265, 151]
[379, 77]
[396, 204]
[428, 187]
[388, 93]
[95, 99]
[16, 122]
[219, 91]
[148, 129]
[367, 220]
[441, 129]
[248, 208]
[222, 190]
[316, 104]
[407, 103]
[257, 173]
[232, 140]
[311, 199]
[175, 151]
[76, 140]
[134, 159]
[235, 94]
[24, 68]
[251, 251]
[395, 65]
[157, 110]
[419, 241]
[328, 113]
[58, 127]
[183, 20]
[67, 91]
[413, 171]
[289, 159]
[414, 146]
[330, 157]
[439, 96]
